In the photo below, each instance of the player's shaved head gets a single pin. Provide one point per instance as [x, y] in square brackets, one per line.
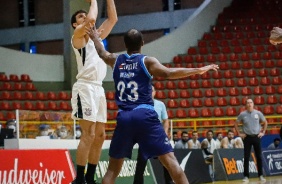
[133, 40]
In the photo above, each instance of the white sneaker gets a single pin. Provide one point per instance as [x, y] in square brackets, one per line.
[245, 179]
[261, 178]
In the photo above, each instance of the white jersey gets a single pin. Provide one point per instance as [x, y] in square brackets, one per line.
[89, 65]
[195, 145]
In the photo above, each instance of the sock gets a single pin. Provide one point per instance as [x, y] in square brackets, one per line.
[91, 169]
[80, 173]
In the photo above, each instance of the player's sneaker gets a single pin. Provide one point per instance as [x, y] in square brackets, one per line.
[261, 178]
[245, 179]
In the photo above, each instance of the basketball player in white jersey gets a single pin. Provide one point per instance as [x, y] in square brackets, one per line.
[88, 96]
[228, 142]
[194, 143]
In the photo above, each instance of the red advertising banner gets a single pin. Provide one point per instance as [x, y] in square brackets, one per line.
[36, 167]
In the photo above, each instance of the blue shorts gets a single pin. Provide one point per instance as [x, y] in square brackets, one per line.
[141, 126]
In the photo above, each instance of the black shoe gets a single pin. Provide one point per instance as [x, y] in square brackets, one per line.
[77, 182]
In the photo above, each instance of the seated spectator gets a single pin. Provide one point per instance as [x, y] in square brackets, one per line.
[275, 144]
[77, 132]
[175, 137]
[208, 145]
[12, 124]
[194, 143]
[45, 132]
[239, 142]
[63, 133]
[228, 142]
[183, 142]
[219, 137]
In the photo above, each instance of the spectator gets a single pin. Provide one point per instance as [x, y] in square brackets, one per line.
[194, 143]
[183, 142]
[251, 120]
[64, 133]
[239, 142]
[219, 137]
[275, 144]
[12, 124]
[175, 137]
[208, 145]
[228, 142]
[77, 132]
[44, 132]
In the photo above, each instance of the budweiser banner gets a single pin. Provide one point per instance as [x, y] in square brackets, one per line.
[272, 162]
[36, 167]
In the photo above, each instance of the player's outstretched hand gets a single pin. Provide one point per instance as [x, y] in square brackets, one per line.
[92, 31]
[209, 67]
[275, 36]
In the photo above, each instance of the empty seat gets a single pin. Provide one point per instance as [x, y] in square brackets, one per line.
[39, 105]
[209, 102]
[251, 73]
[217, 83]
[209, 93]
[28, 106]
[5, 106]
[172, 103]
[216, 75]
[224, 66]
[184, 103]
[111, 105]
[240, 73]
[276, 80]
[238, 49]
[39, 95]
[228, 74]
[269, 64]
[170, 85]
[194, 77]
[192, 51]
[247, 65]
[193, 113]
[3, 77]
[206, 76]
[253, 81]
[182, 84]
[233, 91]
[25, 78]
[268, 110]
[188, 59]
[218, 112]
[258, 90]
[241, 82]
[249, 49]
[229, 83]
[231, 111]
[197, 102]
[52, 106]
[234, 101]
[205, 112]
[160, 95]
[270, 90]
[27, 95]
[263, 72]
[265, 81]
[222, 58]
[10, 115]
[159, 85]
[17, 95]
[181, 113]
[246, 91]
[206, 84]
[197, 93]
[221, 101]
[184, 94]
[202, 43]
[63, 95]
[194, 84]
[279, 89]
[245, 57]
[256, 56]
[235, 65]
[267, 56]
[258, 64]
[2, 116]
[5, 95]
[279, 109]
[259, 100]
[221, 92]
[177, 59]
[260, 48]
[271, 99]
[13, 77]
[18, 86]
[16, 105]
[65, 106]
[202, 51]
[233, 57]
[170, 114]
[275, 72]
[30, 86]
[215, 50]
[172, 94]
[6, 86]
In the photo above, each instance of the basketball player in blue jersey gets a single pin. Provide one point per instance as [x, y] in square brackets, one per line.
[88, 96]
[137, 121]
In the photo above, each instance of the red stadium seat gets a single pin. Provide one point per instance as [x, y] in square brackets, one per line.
[209, 93]
[279, 63]
[194, 84]
[170, 85]
[177, 59]
[276, 81]
[6, 86]
[275, 72]
[246, 42]
[184, 94]
[259, 100]
[277, 55]
[258, 64]
[172, 94]
[202, 51]
[182, 84]
[224, 66]
[110, 116]
[194, 77]
[226, 50]
[160, 95]
[279, 89]
[258, 90]
[207, 36]
[209, 102]
[233, 57]
[263, 72]
[202, 43]
[205, 112]
[13, 77]
[247, 65]
[229, 83]
[52, 106]
[39, 95]
[265, 81]
[249, 49]
[184, 103]
[228, 74]
[10, 115]
[192, 51]
[5, 95]
[17, 95]
[270, 90]
[235, 65]
[211, 58]
[246, 91]
[18, 86]
[216, 75]
[235, 42]
[238, 49]
[234, 101]
[172, 103]
[206, 123]
[271, 99]
[2, 116]
[197, 102]
[240, 73]
[241, 82]
[63, 95]
[40, 106]
[206, 84]
[197, 93]
[206, 76]
[51, 95]
[218, 112]
[260, 49]
[28, 95]
[30, 86]
[245, 57]
[251, 73]
[65, 106]
[269, 64]
[111, 105]
[222, 57]
[268, 110]
[170, 113]
[256, 56]
[4, 105]
[16, 105]
[28, 106]
[159, 85]
[233, 91]
[188, 59]
[221, 101]
[241, 109]
[267, 56]
[193, 113]
[3, 77]
[25, 78]
[253, 81]
[231, 111]
[279, 109]
[217, 83]
[181, 113]
[221, 92]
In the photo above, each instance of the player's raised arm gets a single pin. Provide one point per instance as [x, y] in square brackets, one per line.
[157, 69]
[109, 58]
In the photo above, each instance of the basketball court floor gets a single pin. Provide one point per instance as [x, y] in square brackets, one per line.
[269, 180]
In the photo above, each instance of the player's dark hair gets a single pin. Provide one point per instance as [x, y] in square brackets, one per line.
[133, 40]
[73, 17]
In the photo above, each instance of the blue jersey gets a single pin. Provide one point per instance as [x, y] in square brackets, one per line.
[133, 82]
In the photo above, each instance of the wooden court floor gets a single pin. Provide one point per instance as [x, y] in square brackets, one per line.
[269, 180]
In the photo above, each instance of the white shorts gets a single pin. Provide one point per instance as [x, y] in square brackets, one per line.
[89, 101]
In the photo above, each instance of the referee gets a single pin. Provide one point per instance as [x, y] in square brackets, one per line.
[251, 120]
